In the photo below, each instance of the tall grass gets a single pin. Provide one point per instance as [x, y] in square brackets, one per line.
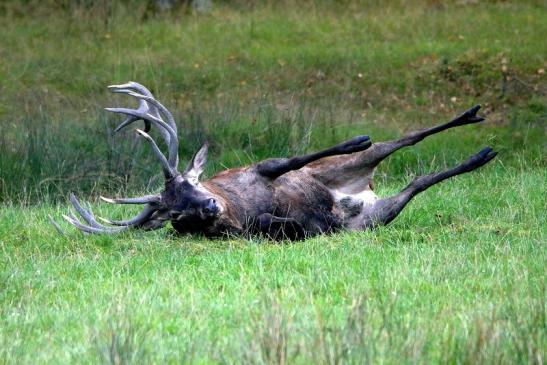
[258, 82]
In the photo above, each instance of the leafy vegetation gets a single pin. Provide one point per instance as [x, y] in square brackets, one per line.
[458, 278]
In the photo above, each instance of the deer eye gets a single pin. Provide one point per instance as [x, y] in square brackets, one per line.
[186, 184]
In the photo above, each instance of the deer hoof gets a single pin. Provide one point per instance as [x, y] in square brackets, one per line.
[356, 144]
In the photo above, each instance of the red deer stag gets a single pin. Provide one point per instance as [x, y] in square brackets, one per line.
[281, 198]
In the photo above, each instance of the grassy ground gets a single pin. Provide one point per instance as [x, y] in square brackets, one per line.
[454, 280]
[458, 278]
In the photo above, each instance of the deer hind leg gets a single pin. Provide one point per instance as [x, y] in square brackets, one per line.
[383, 211]
[352, 175]
[381, 150]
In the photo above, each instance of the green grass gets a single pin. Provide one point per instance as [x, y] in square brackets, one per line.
[458, 278]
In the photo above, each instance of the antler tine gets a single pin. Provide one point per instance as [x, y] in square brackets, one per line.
[86, 214]
[139, 200]
[88, 229]
[147, 112]
[168, 134]
[132, 119]
[141, 218]
[173, 144]
[144, 113]
[160, 106]
[149, 106]
[94, 226]
[131, 86]
[167, 169]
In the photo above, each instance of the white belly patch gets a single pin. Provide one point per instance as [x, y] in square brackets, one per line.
[350, 206]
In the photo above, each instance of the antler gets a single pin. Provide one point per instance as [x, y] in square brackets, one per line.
[93, 226]
[154, 214]
[150, 111]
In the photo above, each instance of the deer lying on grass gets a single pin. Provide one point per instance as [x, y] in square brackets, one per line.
[281, 198]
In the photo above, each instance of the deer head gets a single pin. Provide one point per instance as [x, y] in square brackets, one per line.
[184, 199]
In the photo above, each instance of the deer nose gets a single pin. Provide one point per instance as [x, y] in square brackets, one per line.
[210, 206]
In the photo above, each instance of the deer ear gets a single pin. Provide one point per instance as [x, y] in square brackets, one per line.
[197, 164]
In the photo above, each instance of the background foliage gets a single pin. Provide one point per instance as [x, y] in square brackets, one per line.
[267, 80]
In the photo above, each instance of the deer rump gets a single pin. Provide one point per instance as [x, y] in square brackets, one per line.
[280, 198]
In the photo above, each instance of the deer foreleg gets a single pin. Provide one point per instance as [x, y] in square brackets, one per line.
[279, 228]
[385, 210]
[275, 167]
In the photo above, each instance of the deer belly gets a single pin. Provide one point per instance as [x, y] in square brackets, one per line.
[350, 207]
[301, 197]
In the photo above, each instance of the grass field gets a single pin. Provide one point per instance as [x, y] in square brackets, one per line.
[458, 278]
